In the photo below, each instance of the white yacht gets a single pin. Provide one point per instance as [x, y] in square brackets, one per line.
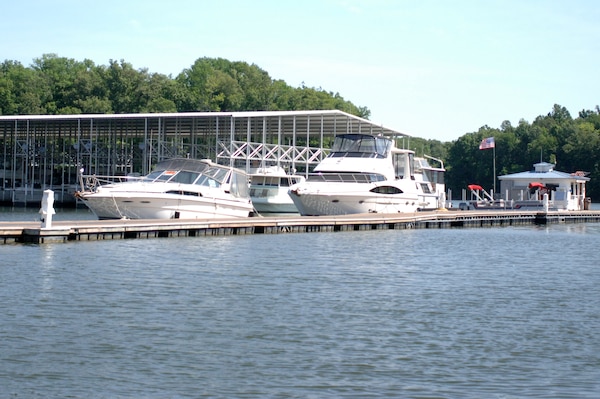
[366, 173]
[269, 188]
[176, 189]
[432, 181]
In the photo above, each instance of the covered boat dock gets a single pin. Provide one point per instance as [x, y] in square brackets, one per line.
[42, 152]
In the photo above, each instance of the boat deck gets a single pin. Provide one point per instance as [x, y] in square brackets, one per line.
[91, 230]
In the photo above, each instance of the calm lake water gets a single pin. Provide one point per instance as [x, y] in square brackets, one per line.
[464, 313]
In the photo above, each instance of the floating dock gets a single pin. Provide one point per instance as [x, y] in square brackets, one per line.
[93, 230]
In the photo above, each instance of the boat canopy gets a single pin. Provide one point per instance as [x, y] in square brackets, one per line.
[190, 165]
[177, 170]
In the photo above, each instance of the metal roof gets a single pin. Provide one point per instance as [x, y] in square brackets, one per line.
[550, 175]
[328, 117]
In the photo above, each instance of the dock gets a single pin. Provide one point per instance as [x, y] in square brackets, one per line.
[94, 230]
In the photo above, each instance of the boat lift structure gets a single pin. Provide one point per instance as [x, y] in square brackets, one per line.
[40, 152]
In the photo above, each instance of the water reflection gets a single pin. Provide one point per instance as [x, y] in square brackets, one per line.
[29, 214]
[447, 313]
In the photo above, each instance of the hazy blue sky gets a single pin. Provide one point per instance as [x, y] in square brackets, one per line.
[432, 69]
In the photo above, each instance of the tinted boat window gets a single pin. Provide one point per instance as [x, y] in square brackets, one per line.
[184, 177]
[239, 185]
[386, 190]
[207, 181]
[166, 175]
[152, 176]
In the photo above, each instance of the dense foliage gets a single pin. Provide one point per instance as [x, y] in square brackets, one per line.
[57, 85]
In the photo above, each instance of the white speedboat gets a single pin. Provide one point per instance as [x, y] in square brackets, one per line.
[269, 188]
[176, 189]
[366, 173]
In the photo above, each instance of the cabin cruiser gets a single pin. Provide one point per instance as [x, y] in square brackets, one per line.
[366, 173]
[176, 189]
[269, 188]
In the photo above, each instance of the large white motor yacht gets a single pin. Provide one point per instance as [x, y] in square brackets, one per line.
[366, 173]
[176, 189]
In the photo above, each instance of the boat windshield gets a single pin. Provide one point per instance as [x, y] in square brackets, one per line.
[177, 170]
[166, 175]
[152, 176]
[213, 177]
[184, 177]
[239, 185]
[271, 181]
[360, 146]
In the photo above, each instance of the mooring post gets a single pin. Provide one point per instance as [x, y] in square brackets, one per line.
[47, 209]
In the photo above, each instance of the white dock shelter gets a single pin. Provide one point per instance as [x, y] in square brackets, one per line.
[40, 152]
[566, 191]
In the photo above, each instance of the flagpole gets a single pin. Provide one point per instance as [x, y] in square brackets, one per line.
[494, 168]
[486, 144]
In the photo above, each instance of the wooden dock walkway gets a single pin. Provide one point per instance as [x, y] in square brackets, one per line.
[91, 230]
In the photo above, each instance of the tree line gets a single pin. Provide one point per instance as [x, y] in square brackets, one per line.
[59, 85]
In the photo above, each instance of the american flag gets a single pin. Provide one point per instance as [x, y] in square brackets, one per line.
[487, 143]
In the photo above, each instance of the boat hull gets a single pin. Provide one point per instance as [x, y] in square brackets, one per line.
[164, 206]
[272, 200]
[266, 206]
[338, 203]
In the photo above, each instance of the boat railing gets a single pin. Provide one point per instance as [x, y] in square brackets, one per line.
[356, 154]
[332, 177]
[92, 182]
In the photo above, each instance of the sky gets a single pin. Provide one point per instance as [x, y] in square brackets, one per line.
[433, 69]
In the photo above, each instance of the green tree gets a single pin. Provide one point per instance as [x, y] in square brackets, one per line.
[464, 163]
[157, 93]
[59, 75]
[90, 91]
[59, 85]
[123, 84]
[581, 153]
[8, 102]
[255, 84]
[25, 91]
[281, 96]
